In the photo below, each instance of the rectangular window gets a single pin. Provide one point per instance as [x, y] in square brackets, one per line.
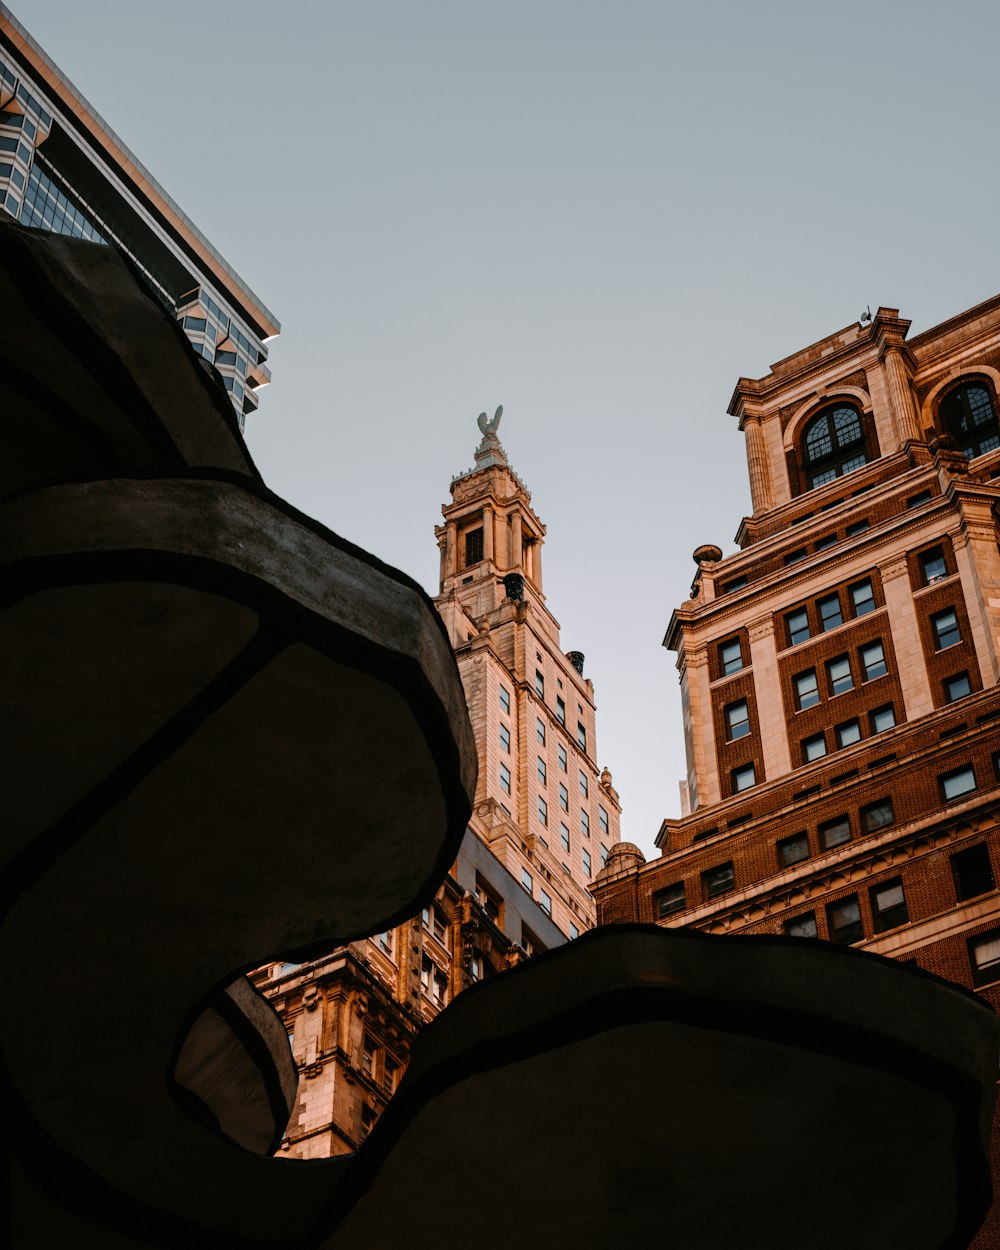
[798, 626]
[604, 854]
[856, 527]
[585, 824]
[932, 566]
[505, 739]
[793, 850]
[957, 687]
[489, 900]
[801, 926]
[877, 815]
[972, 872]
[540, 731]
[505, 699]
[743, 778]
[560, 710]
[946, 631]
[888, 903]
[541, 770]
[915, 501]
[584, 788]
[882, 718]
[958, 782]
[539, 684]
[862, 597]
[716, 881]
[730, 656]
[564, 836]
[545, 902]
[474, 546]
[602, 819]
[669, 900]
[873, 661]
[581, 735]
[737, 583]
[737, 720]
[794, 557]
[839, 673]
[844, 920]
[526, 880]
[830, 615]
[835, 832]
[813, 748]
[828, 540]
[585, 857]
[563, 797]
[562, 757]
[806, 689]
[984, 957]
[574, 932]
[543, 811]
[505, 779]
[848, 733]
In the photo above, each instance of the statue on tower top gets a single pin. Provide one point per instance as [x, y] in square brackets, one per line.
[489, 427]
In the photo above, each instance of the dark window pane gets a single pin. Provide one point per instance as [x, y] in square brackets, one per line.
[668, 901]
[473, 546]
[793, 850]
[844, 920]
[802, 926]
[888, 904]
[877, 815]
[967, 414]
[973, 872]
[932, 566]
[717, 880]
[834, 832]
[946, 631]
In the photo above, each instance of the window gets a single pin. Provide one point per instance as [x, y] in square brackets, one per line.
[743, 778]
[669, 900]
[585, 824]
[794, 557]
[882, 718]
[489, 900]
[888, 905]
[539, 684]
[828, 540]
[958, 782]
[585, 857]
[803, 926]
[835, 832]
[957, 687]
[541, 770]
[984, 957]
[793, 850]
[543, 811]
[604, 854]
[973, 872]
[540, 731]
[563, 797]
[839, 673]
[560, 710]
[844, 920]
[581, 735]
[856, 527]
[813, 748]
[505, 779]
[476, 967]
[716, 881]
[730, 657]
[830, 615]
[562, 757]
[806, 689]
[387, 941]
[946, 631]
[916, 501]
[798, 626]
[967, 415]
[833, 444]
[368, 1118]
[545, 902]
[526, 880]
[737, 583]
[877, 815]
[602, 819]
[474, 546]
[932, 566]
[862, 597]
[584, 788]
[368, 1050]
[391, 1070]
[737, 720]
[574, 932]
[505, 699]
[439, 988]
[505, 739]
[564, 836]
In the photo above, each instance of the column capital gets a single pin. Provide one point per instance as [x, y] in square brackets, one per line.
[762, 627]
[696, 657]
[893, 567]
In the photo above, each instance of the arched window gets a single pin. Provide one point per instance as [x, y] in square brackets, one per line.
[833, 443]
[968, 415]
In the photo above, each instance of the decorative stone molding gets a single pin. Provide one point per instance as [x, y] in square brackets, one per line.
[761, 628]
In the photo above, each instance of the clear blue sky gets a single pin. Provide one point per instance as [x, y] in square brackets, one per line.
[598, 215]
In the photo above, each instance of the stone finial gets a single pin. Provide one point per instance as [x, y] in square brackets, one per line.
[576, 658]
[707, 553]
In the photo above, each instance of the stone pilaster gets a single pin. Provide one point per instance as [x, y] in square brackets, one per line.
[703, 756]
[909, 651]
[767, 691]
[978, 562]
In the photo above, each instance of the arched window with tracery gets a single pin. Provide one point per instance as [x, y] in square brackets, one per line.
[968, 415]
[833, 443]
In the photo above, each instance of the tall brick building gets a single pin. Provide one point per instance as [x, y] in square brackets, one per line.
[839, 673]
[545, 819]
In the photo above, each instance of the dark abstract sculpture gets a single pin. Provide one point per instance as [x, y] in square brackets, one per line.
[232, 736]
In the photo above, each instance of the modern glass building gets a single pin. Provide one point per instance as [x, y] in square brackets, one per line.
[62, 168]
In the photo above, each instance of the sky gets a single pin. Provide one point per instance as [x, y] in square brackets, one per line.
[599, 215]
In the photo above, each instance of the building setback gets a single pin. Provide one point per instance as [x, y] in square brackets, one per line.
[545, 819]
[62, 168]
[839, 673]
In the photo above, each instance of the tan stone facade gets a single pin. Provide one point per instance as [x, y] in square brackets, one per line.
[840, 672]
[545, 819]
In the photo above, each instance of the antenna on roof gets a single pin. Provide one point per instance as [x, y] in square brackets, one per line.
[865, 316]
